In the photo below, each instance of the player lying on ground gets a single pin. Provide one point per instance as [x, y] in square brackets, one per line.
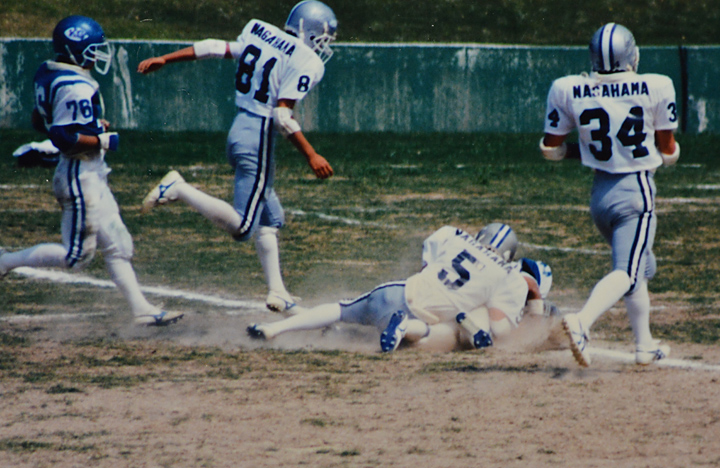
[625, 123]
[68, 108]
[276, 69]
[466, 280]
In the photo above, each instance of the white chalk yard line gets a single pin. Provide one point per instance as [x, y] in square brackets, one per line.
[71, 278]
[672, 363]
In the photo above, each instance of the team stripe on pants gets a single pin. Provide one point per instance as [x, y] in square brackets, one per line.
[642, 233]
[261, 178]
[77, 230]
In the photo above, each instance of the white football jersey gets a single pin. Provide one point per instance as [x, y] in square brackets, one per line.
[460, 275]
[616, 116]
[272, 65]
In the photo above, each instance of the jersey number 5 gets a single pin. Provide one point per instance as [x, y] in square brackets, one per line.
[630, 133]
[463, 275]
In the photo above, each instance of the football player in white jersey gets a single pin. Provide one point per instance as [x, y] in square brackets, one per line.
[276, 69]
[69, 109]
[467, 280]
[625, 123]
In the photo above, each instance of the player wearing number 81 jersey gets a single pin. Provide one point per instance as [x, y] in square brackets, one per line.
[625, 123]
[276, 69]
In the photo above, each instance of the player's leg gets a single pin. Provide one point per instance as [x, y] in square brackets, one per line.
[76, 192]
[441, 337]
[249, 151]
[116, 245]
[384, 308]
[173, 188]
[613, 286]
[41, 255]
[312, 319]
[266, 244]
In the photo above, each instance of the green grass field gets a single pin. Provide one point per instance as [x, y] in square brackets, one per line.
[667, 22]
[365, 226]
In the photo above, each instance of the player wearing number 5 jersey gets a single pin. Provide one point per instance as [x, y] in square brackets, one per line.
[466, 280]
[276, 69]
[625, 123]
[69, 109]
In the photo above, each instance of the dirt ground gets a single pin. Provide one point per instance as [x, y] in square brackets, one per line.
[201, 394]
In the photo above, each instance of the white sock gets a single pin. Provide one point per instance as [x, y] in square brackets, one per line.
[266, 244]
[442, 338]
[219, 212]
[416, 330]
[123, 275]
[41, 255]
[317, 317]
[604, 295]
[638, 310]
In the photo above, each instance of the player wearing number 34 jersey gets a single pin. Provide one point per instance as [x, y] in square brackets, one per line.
[276, 69]
[625, 123]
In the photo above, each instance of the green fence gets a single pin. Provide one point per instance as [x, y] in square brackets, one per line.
[367, 87]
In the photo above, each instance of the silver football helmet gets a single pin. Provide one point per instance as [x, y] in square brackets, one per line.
[315, 24]
[500, 238]
[613, 49]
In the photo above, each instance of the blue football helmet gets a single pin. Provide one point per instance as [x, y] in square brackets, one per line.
[315, 24]
[540, 271]
[80, 40]
[500, 238]
[613, 49]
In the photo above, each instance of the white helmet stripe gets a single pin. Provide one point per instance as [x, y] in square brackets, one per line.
[606, 46]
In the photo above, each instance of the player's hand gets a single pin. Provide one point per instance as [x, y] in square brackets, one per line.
[105, 124]
[109, 141]
[150, 65]
[320, 167]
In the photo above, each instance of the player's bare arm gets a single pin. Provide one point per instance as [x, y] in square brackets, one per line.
[320, 166]
[669, 148]
[554, 148]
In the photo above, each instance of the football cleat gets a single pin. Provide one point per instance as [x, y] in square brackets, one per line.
[259, 332]
[578, 339]
[163, 192]
[281, 302]
[393, 334]
[160, 319]
[482, 339]
[645, 355]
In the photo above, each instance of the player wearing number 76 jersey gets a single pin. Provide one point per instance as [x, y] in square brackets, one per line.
[276, 68]
[625, 123]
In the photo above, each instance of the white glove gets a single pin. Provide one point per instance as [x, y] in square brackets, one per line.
[109, 141]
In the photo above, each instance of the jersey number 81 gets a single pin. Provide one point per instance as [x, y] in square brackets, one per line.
[246, 69]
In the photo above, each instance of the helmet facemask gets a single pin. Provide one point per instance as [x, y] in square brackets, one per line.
[320, 44]
[101, 55]
[313, 23]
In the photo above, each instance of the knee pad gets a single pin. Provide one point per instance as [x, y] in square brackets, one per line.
[115, 240]
[80, 255]
[266, 231]
[79, 263]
